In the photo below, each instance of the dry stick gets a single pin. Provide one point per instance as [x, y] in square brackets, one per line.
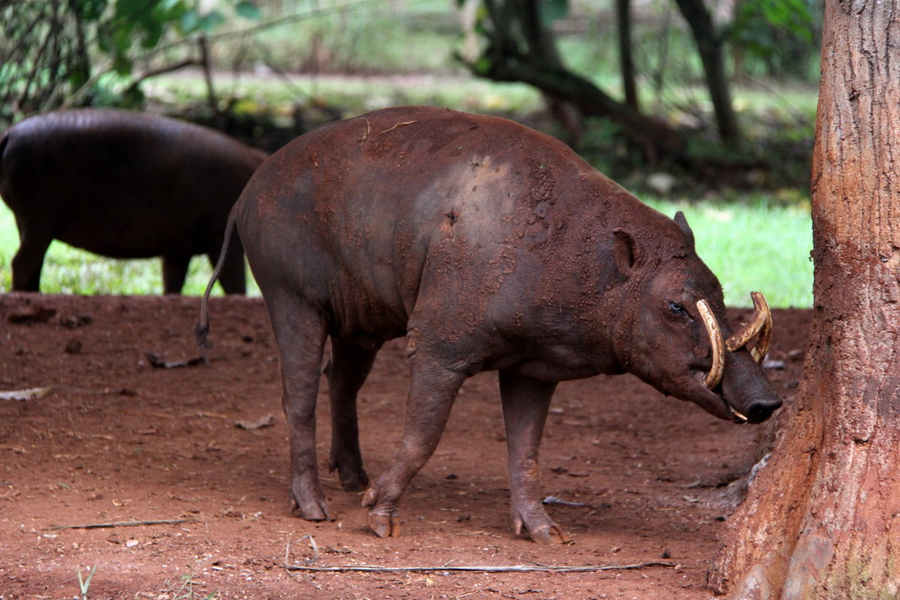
[287, 558]
[121, 524]
[478, 569]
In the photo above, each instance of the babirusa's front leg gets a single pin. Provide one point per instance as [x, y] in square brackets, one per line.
[431, 393]
[526, 402]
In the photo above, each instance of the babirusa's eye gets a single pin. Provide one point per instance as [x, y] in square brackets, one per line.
[676, 307]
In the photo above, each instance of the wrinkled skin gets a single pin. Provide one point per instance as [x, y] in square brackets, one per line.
[490, 247]
[125, 185]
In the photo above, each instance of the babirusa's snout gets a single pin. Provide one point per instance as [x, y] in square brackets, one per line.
[759, 327]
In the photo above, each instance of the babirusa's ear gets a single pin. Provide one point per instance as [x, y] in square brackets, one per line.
[683, 224]
[626, 251]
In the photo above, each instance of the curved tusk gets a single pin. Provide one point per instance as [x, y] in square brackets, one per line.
[759, 326]
[738, 416]
[761, 348]
[714, 377]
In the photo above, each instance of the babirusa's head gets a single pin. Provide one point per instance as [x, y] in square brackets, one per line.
[674, 333]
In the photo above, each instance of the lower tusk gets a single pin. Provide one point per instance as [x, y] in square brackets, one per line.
[741, 418]
[714, 377]
[759, 326]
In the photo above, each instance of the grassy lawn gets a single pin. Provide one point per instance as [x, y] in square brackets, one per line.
[69, 270]
[750, 245]
[753, 246]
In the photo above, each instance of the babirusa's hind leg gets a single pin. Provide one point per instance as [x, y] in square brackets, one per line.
[431, 392]
[350, 365]
[29, 259]
[175, 270]
[300, 332]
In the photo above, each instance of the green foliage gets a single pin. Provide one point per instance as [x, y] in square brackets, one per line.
[56, 53]
[779, 33]
[553, 10]
[369, 38]
[142, 24]
[91, 10]
[791, 15]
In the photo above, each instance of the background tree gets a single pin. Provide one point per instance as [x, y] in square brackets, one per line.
[48, 50]
[710, 40]
[626, 54]
[520, 47]
[43, 53]
[821, 520]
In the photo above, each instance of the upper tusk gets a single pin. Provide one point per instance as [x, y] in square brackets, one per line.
[761, 348]
[751, 328]
[714, 377]
[759, 326]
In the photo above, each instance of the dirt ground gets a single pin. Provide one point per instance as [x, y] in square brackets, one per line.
[109, 439]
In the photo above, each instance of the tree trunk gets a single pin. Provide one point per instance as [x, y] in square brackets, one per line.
[626, 56]
[521, 49]
[709, 46]
[542, 49]
[80, 69]
[654, 137]
[822, 520]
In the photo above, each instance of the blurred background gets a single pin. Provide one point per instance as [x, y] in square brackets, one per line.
[705, 107]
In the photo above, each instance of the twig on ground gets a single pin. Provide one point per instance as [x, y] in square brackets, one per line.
[159, 361]
[308, 561]
[479, 568]
[121, 524]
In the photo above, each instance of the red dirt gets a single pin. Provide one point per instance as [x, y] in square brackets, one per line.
[118, 440]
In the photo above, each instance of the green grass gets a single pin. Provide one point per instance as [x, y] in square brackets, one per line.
[751, 245]
[354, 95]
[69, 270]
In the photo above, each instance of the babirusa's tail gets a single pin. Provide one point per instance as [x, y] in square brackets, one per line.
[201, 329]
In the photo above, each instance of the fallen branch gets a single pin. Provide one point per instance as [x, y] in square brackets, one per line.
[121, 524]
[188, 62]
[39, 392]
[29, 394]
[479, 568]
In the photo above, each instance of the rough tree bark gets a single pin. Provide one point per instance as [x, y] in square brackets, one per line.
[822, 520]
